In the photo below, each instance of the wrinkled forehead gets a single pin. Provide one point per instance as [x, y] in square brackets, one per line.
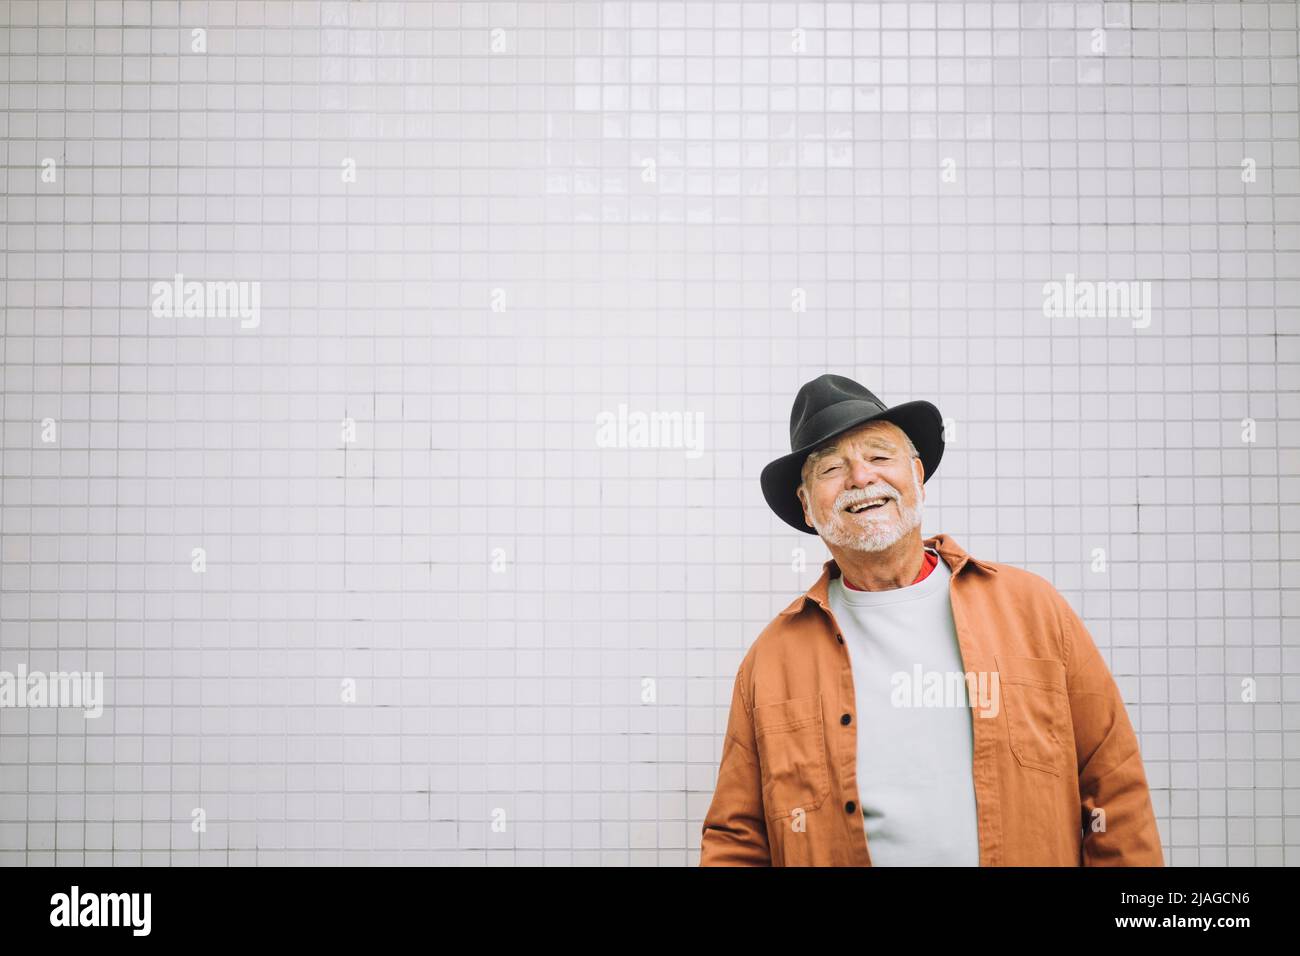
[885, 435]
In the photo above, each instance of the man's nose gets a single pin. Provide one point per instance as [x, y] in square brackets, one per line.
[862, 473]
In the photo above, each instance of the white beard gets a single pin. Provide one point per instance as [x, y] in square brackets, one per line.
[844, 531]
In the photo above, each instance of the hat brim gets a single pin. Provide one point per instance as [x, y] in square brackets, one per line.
[920, 420]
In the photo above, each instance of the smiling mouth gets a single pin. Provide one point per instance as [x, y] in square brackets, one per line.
[863, 506]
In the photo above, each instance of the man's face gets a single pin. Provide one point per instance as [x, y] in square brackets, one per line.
[841, 479]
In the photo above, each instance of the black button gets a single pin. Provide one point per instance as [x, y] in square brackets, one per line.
[850, 807]
[846, 720]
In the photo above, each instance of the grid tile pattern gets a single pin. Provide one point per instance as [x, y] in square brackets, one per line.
[364, 581]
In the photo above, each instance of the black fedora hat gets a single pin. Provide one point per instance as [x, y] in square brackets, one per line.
[828, 406]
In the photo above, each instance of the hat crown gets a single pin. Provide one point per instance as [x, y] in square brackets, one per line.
[821, 393]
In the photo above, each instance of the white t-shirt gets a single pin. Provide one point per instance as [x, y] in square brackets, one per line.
[915, 786]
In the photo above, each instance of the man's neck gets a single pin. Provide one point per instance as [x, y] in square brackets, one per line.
[895, 567]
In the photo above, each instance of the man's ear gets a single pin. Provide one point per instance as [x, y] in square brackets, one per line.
[803, 503]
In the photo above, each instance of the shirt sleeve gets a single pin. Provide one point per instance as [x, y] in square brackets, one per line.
[1118, 820]
[735, 830]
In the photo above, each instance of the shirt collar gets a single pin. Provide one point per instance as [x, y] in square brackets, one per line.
[953, 555]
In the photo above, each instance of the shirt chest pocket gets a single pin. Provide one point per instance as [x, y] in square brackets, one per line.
[1037, 709]
[791, 743]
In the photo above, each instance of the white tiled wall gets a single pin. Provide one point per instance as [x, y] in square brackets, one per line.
[470, 632]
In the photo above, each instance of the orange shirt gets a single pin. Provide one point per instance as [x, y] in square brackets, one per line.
[1057, 769]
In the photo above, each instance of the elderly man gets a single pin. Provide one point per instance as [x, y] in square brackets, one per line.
[916, 706]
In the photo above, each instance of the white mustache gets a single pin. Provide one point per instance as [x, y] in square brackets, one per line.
[866, 495]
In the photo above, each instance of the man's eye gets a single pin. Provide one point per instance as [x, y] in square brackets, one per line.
[880, 458]
[832, 468]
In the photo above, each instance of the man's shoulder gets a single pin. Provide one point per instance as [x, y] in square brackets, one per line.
[793, 626]
[788, 635]
[995, 577]
[1030, 601]
[1013, 579]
